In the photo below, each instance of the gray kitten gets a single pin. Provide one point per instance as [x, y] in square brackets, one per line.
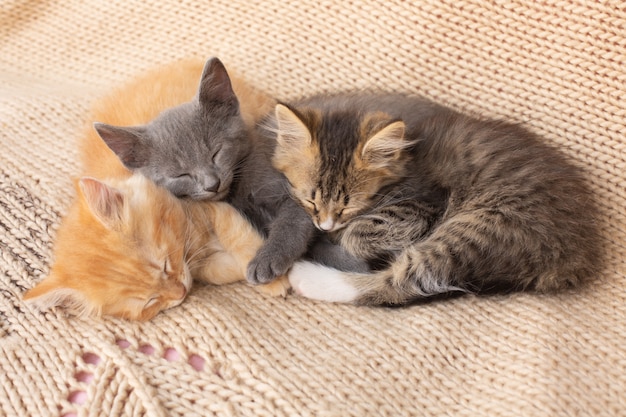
[192, 149]
[204, 149]
[434, 200]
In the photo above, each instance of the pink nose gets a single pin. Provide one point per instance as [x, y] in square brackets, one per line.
[327, 225]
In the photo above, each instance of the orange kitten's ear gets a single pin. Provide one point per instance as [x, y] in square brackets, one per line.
[106, 203]
[292, 132]
[52, 293]
[385, 146]
[215, 86]
[126, 142]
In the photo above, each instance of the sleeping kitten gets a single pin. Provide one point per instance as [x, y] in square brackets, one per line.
[194, 148]
[129, 248]
[207, 148]
[435, 201]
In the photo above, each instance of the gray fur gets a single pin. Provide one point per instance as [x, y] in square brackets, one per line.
[261, 193]
[204, 150]
[192, 149]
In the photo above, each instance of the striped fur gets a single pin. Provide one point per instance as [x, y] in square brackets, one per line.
[471, 205]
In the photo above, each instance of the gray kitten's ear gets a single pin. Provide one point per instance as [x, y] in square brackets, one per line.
[105, 202]
[292, 132]
[386, 145]
[126, 142]
[215, 86]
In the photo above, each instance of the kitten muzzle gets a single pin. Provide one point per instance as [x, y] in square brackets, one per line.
[329, 225]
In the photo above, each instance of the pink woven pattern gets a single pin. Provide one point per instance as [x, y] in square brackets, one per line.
[556, 66]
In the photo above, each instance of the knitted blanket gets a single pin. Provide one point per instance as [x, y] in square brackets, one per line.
[558, 67]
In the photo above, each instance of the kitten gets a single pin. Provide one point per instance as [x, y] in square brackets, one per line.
[192, 148]
[129, 248]
[435, 201]
[208, 148]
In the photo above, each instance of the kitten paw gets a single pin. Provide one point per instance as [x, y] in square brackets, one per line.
[319, 282]
[265, 268]
[277, 288]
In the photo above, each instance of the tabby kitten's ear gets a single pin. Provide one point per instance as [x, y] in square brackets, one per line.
[126, 142]
[292, 132]
[105, 202]
[215, 86]
[385, 146]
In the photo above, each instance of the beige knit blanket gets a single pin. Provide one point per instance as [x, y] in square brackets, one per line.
[557, 66]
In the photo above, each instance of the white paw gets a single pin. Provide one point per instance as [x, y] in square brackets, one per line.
[318, 282]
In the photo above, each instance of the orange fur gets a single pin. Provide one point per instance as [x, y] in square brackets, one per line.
[128, 248]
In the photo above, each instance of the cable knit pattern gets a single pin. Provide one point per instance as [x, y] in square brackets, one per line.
[557, 66]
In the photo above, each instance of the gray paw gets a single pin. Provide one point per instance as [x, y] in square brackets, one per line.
[265, 268]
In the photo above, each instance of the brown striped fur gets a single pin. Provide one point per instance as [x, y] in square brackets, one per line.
[464, 205]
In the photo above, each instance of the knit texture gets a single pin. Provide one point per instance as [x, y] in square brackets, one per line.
[558, 67]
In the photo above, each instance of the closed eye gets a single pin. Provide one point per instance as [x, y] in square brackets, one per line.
[348, 211]
[312, 205]
[152, 301]
[166, 272]
[183, 176]
[165, 268]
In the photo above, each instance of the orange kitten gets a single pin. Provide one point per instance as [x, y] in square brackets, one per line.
[129, 248]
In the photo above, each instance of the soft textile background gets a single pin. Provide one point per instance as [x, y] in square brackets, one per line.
[557, 66]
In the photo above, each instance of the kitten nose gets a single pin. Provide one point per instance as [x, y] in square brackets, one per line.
[327, 225]
[213, 188]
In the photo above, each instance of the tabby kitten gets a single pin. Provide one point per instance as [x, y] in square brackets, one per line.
[128, 247]
[435, 201]
[208, 149]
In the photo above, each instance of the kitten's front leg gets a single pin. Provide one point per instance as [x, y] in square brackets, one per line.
[387, 230]
[240, 241]
[277, 288]
[288, 239]
[222, 268]
[218, 269]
